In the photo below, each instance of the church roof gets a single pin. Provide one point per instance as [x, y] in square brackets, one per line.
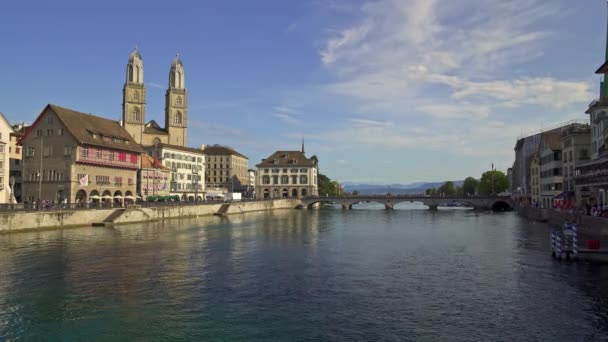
[91, 130]
[135, 54]
[221, 150]
[287, 158]
[176, 61]
[152, 127]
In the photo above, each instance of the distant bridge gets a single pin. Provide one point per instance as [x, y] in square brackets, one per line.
[496, 203]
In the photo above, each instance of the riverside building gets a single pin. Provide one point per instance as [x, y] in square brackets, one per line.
[286, 174]
[187, 166]
[153, 178]
[227, 170]
[551, 180]
[5, 132]
[134, 105]
[73, 157]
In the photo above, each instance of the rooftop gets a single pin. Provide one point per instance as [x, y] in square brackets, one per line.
[221, 150]
[287, 158]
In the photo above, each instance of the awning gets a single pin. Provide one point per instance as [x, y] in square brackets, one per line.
[118, 196]
[565, 195]
[129, 197]
[94, 197]
[106, 197]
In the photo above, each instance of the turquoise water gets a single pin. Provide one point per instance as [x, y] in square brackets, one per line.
[317, 275]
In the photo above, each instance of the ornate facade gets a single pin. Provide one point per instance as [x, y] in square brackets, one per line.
[134, 105]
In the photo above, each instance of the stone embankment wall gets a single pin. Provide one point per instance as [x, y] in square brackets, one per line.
[590, 224]
[19, 220]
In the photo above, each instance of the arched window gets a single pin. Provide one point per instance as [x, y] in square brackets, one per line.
[136, 95]
[178, 118]
[179, 79]
[172, 79]
[130, 73]
[137, 75]
[265, 179]
[304, 192]
[135, 114]
[178, 101]
[303, 179]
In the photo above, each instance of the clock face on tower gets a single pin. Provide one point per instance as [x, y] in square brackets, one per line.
[156, 141]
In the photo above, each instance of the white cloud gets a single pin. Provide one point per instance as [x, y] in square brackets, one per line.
[155, 85]
[445, 67]
[287, 115]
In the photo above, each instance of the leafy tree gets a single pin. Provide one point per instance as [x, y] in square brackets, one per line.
[447, 188]
[470, 185]
[431, 192]
[459, 190]
[355, 193]
[493, 182]
[326, 187]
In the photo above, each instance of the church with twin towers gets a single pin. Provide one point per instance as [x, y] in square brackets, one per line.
[134, 105]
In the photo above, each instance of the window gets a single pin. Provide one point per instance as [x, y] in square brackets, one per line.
[275, 179]
[48, 151]
[294, 170]
[38, 132]
[294, 179]
[178, 101]
[178, 118]
[49, 132]
[60, 131]
[284, 179]
[284, 170]
[133, 158]
[303, 179]
[67, 150]
[135, 114]
[84, 151]
[303, 170]
[136, 96]
[30, 151]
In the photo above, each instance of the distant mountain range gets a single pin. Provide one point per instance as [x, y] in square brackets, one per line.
[411, 188]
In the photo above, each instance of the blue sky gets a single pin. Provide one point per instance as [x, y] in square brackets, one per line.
[383, 91]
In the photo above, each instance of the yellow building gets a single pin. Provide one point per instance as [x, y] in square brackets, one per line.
[226, 170]
[134, 105]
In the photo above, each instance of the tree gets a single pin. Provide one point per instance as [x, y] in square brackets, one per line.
[469, 187]
[493, 182]
[447, 188]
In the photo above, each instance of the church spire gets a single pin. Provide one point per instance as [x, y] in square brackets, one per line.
[302, 144]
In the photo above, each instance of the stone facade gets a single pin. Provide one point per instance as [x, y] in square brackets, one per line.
[134, 105]
[286, 174]
[551, 180]
[187, 166]
[153, 179]
[5, 132]
[227, 170]
[74, 157]
[535, 178]
[16, 161]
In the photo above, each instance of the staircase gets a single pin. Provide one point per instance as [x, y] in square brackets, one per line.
[223, 210]
[110, 219]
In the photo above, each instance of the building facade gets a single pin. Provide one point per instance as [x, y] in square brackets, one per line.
[153, 179]
[286, 174]
[187, 167]
[72, 157]
[575, 141]
[134, 105]
[551, 180]
[16, 165]
[227, 170]
[5, 132]
[535, 179]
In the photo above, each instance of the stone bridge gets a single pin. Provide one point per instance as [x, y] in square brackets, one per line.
[496, 203]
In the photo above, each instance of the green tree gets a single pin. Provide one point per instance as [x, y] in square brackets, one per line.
[459, 190]
[493, 182]
[470, 185]
[431, 192]
[447, 188]
[326, 187]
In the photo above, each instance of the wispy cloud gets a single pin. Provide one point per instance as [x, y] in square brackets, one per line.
[155, 85]
[445, 68]
[287, 115]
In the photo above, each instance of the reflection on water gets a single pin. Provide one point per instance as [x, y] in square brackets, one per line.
[407, 275]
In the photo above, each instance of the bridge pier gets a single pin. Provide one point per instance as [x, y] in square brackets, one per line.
[347, 206]
[389, 206]
[433, 207]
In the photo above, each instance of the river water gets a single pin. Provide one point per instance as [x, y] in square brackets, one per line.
[317, 275]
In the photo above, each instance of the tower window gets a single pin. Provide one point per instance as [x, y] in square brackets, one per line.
[178, 101]
[178, 118]
[136, 96]
[135, 114]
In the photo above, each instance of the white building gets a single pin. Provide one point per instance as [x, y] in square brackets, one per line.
[551, 178]
[187, 169]
[5, 132]
[286, 174]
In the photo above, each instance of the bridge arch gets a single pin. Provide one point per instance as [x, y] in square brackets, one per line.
[500, 205]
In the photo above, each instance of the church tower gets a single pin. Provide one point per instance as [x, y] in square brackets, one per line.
[176, 105]
[134, 98]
